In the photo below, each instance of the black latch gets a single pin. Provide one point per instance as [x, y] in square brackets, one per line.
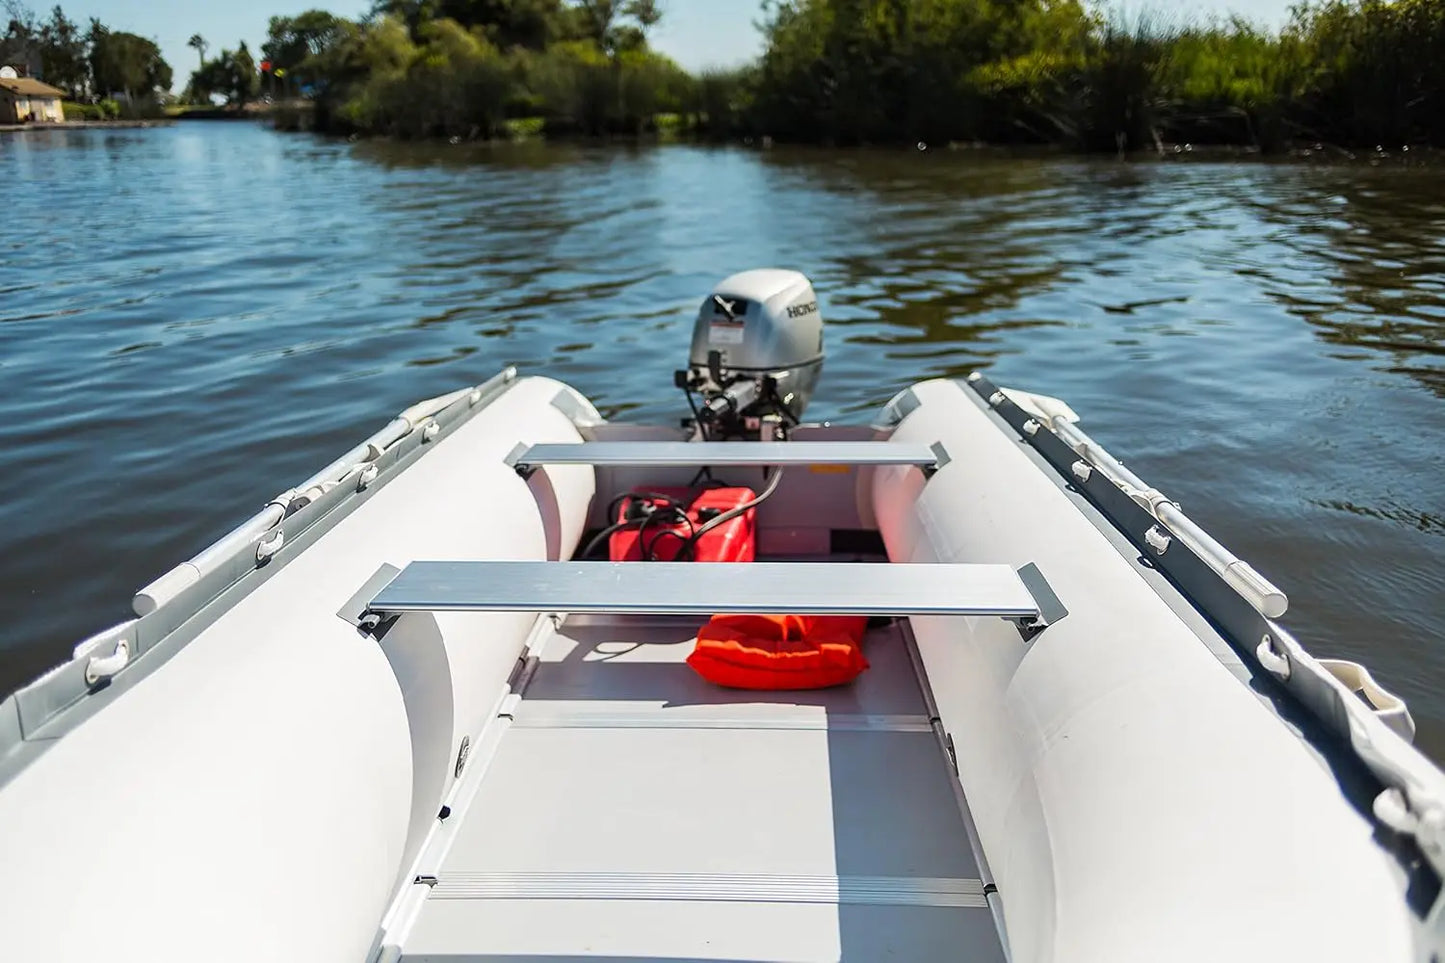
[514, 460]
[357, 609]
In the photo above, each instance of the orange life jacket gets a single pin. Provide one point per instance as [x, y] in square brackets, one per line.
[780, 651]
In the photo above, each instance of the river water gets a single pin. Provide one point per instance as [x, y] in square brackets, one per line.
[194, 318]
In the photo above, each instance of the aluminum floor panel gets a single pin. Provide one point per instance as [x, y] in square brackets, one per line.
[638, 931]
[642, 660]
[634, 812]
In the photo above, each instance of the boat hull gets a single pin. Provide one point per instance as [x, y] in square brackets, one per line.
[269, 777]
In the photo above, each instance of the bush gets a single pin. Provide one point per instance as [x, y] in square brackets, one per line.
[522, 128]
[455, 84]
[1364, 72]
[112, 110]
[1122, 77]
[74, 111]
[439, 77]
[147, 108]
[1375, 71]
[577, 82]
[854, 71]
[863, 70]
[722, 100]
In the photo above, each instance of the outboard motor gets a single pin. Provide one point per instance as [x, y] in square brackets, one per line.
[757, 353]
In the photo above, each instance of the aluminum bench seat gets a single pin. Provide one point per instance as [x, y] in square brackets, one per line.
[715, 454]
[682, 588]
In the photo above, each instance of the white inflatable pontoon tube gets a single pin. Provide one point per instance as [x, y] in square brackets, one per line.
[1135, 801]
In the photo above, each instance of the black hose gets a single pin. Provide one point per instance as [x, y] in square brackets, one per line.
[671, 504]
[705, 479]
[613, 505]
[696, 415]
[642, 545]
[667, 500]
[602, 536]
[649, 551]
[729, 515]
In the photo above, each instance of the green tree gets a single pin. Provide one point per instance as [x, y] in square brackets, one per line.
[349, 58]
[199, 45]
[53, 50]
[456, 83]
[292, 41]
[852, 70]
[617, 25]
[646, 13]
[62, 53]
[125, 63]
[596, 18]
[244, 79]
[529, 24]
[20, 44]
[213, 77]
[232, 75]
[411, 14]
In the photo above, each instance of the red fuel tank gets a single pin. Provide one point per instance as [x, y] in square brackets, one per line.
[660, 533]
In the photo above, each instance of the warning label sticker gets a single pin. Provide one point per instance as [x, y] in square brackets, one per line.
[725, 332]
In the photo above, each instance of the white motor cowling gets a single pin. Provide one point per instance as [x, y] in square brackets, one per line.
[757, 353]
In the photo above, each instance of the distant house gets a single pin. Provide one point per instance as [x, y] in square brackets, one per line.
[25, 99]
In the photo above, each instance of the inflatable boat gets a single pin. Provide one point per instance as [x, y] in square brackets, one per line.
[442, 701]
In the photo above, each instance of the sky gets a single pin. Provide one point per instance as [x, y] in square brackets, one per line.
[695, 33]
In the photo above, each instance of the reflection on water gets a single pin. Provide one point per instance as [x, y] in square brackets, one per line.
[193, 318]
[1386, 246]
